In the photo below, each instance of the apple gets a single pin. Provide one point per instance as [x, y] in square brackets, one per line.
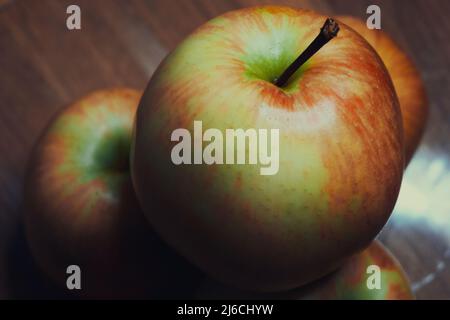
[407, 82]
[81, 207]
[353, 281]
[350, 282]
[340, 148]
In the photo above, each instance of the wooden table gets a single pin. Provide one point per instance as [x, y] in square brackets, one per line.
[43, 67]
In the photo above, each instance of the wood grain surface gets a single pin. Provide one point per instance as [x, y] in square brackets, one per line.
[44, 67]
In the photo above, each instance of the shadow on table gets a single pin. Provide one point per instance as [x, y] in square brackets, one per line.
[25, 279]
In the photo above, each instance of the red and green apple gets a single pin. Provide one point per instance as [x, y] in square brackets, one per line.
[81, 207]
[354, 280]
[340, 149]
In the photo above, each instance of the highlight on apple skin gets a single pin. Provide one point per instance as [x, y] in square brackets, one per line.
[407, 82]
[349, 282]
[81, 207]
[341, 149]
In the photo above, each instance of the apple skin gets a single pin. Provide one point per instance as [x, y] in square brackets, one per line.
[341, 149]
[349, 282]
[81, 207]
[407, 82]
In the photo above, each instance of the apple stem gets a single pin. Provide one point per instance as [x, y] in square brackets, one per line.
[329, 30]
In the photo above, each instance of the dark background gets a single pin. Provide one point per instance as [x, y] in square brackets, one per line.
[43, 67]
